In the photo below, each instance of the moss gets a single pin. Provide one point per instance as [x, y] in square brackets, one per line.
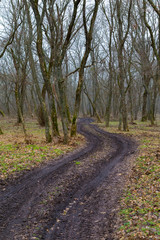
[74, 126]
[2, 113]
[1, 132]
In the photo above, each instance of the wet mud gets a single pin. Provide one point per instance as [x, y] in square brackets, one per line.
[75, 197]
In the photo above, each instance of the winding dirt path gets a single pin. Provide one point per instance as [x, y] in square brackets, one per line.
[72, 198]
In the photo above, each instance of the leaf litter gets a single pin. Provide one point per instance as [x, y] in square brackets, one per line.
[139, 213]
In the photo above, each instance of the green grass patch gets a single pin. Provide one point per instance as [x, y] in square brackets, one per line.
[77, 163]
[16, 156]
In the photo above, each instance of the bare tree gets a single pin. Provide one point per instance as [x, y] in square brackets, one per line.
[10, 39]
[156, 47]
[56, 57]
[122, 36]
[110, 21]
[35, 77]
[88, 39]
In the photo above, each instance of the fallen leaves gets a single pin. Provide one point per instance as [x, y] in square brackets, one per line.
[140, 214]
[140, 205]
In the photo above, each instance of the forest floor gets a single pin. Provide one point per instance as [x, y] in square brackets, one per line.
[73, 197]
[139, 209]
[104, 190]
[17, 157]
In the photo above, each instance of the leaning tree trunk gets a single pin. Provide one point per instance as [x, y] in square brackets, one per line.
[93, 105]
[88, 36]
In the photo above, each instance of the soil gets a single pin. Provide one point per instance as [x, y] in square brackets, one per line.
[75, 197]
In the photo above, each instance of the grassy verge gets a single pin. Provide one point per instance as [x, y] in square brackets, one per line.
[140, 205]
[16, 156]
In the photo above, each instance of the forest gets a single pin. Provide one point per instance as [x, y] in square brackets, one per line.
[60, 59]
[64, 63]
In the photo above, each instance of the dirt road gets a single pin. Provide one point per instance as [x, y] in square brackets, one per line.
[73, 198]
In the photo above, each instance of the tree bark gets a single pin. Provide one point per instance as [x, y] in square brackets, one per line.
[144, 107]
[153, 40]
[121, 40]
[62, 102]
[93, 105]
[35, 79]
[45, 73]
[88, 36]
[20, 114]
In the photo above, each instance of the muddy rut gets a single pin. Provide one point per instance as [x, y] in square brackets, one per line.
[72, 198]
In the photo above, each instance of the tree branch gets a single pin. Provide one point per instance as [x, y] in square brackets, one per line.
[77, 69]
[151, 33]
[154, 7]
[10, 40]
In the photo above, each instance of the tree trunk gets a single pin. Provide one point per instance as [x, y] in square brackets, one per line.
[93, 106]
[108, 107]
[35, 79]
[41, 100]
[121, 76]
[62, 102]
[88, 36]
[77, 103]
[18, 105]
[131, 104]
[46, 73]
[1, 132]
[20, 114]
[123, 108]
[144, 107]
[154, 101]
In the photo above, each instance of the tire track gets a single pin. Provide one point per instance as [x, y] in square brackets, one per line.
[19, 199]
